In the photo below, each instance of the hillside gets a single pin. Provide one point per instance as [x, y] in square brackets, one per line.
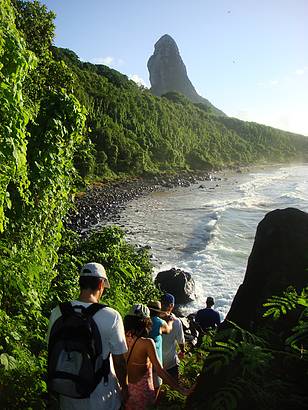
[64, 120]
[135, 132]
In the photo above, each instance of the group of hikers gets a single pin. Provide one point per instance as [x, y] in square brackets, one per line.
[96, 360]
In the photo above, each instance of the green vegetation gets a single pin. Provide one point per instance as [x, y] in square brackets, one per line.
[42, 133]
[41, 128]
[240, 369]
[134, 132]
[62, 121]
[129, 268]
[266, 368]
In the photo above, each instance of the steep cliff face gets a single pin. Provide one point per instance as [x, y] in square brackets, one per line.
[168, 73]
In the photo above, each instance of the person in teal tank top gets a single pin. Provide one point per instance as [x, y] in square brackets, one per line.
[155, 334]
[159, 326]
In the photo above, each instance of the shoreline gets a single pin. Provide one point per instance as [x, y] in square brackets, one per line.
[102, 202]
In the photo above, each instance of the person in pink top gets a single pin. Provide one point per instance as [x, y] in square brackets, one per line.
[140, 358]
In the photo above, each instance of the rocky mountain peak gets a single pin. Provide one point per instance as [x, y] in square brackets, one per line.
[166, 46]
[168, 73]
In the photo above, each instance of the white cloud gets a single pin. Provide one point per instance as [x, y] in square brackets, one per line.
[300, 71]
[138, 80]
[274, 82]
[109, 61]
[103, 60]
[291, 121]
[268, 84]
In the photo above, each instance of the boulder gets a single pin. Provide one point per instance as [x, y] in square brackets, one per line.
[279, 258]
[168, 73]
[177, 282]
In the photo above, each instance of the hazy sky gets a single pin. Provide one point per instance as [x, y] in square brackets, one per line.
[248, 57]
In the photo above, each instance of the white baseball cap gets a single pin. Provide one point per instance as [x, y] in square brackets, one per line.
[96, 270]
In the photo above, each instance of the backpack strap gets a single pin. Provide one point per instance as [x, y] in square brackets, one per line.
[104, 370]
[66, 308]
[92, 309]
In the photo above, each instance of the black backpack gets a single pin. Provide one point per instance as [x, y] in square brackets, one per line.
[75, 365]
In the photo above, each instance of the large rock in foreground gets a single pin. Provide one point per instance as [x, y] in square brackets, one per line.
[279, 258]
[177, 282]
[168, 73]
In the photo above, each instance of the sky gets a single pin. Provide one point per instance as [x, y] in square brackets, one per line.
[247, 57]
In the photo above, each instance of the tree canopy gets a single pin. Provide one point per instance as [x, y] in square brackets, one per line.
[63, 121]
[134, 132]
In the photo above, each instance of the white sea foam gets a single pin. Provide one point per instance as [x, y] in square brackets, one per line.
[210, 233]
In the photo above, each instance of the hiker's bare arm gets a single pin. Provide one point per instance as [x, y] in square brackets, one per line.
[166, 327]
[120, 368]
[151, 351]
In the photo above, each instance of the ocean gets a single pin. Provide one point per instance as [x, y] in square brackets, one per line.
[208, 228]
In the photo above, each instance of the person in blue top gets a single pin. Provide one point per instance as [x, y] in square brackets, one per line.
[208, 317]
[159, 326]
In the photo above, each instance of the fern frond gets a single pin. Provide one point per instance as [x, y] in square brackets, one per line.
[303, 297]
[280, 305]
[221, 354]
[246, 336]
[228, 397]
[298, 340]
[254, 359]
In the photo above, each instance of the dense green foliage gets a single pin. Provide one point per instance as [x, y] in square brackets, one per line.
[129, 268]
[42, 133]
[240, 369]
[41, 127]
[266, 368]
[58, 115]
[135, 132]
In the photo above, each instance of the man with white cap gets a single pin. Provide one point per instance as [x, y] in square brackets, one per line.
[112, 391]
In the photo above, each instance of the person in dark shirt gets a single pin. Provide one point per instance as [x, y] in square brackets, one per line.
[208, 317]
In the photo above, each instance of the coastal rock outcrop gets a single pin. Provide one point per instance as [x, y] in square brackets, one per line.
[177, 282]
[279, 259]
[168, 73]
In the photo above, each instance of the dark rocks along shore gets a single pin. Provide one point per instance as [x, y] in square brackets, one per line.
[102, 202]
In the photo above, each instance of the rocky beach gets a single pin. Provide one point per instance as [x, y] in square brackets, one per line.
[102, 201]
